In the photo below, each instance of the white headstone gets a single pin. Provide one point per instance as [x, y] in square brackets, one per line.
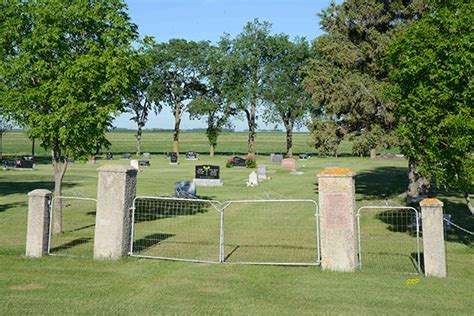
[253, 179]
[262, 172]
[135, 164]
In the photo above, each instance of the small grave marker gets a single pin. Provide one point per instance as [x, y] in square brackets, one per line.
[276, 158]
[109, 155]
[185, 189]
[289, 163]
[303, 157]
[238, 162]
[173, 158]
[253, 179]
[262, 172]
[146, 155]
[127, 156]
[191, 155]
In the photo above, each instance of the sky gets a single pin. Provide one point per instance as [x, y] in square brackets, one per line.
[209, 20]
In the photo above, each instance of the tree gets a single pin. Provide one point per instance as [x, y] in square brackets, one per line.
[138, 101]
[327, 136]
[213, 104]
[178, 77]
[248, 57]
[346, 76]
[65, 68]
[287, 101]
[432, 71]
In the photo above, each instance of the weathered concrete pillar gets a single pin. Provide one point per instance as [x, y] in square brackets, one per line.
[434, 252]
[337, 219]
[115, 193]
[37, 235]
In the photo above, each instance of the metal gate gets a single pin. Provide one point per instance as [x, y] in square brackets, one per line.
[78, 224]
[280, 232]
[389, 239]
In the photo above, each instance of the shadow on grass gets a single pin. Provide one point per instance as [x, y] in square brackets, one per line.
[461, 216]
[382, 182]
[155, 209]
[149, 241]
[23, 187]
[399, 221]
[71, 244]
[4, 207]
[79, 228]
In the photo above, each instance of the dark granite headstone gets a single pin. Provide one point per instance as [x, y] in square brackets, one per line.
[174, 158]
[238, 162]
[303, 156]
[144, 163]
[109, 155]
[127, 156]
[207, 172]
[24, 164]
[191, 155]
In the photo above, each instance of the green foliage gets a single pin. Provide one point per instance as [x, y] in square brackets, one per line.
[64, 69]
[327, 136]
[345, 78]
[376, 138]
[250, 162]
[432, 69]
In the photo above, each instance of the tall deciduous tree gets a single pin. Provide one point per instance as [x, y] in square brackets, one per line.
[288, 103]
[178, 77]
[138, 101]
[248, 57]
[65, 68]
[432, 69]
[347, 75]
[213, 104]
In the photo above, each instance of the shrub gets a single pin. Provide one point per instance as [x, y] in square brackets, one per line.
[250, 162]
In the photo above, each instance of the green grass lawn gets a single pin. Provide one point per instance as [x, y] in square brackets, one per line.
[66, 285]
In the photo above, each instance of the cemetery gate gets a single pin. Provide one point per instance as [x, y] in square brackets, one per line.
[389, 239]
[78, 224]
[278, 232]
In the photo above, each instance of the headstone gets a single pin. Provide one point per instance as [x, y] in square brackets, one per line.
[109, 155]
[144, 163]
[289, 163]
[134, 164]
[207, 175]
[191, 155]
[127, 156]
[276, 158]
[262, 172]
[303, 157]
[185, 189]
[146, 155]
[24, 164]
[238, 162]
[91, 161]
[253, 179]
[173, 158]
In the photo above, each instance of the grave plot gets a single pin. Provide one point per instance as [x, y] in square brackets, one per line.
[78, 225]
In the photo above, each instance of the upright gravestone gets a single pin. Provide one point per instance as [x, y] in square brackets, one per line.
[289, 163]
[173, 158]
[253, 179]
[24, 164]
[191, 155]
[109, 155]
[336, 188]
[127, 156]
[207, 176]
[303, 157]
[238, 162]
[146, 155]
[276, 158]
[185, 189]
[134, 164]
[262, 172]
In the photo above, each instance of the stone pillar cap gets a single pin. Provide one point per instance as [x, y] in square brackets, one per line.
[336, 172]
[39, 192]
[117, 168]
[431, 202]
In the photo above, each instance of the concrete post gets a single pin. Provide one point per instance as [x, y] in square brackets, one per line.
[115, 193]
[434, 252]
[37, 235]
[337, 219]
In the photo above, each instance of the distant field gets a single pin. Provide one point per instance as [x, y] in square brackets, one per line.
[16, 143]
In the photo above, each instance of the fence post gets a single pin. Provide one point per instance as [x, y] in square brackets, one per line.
[37, 235]
[115, 193]
[336, 188]
[434, 252]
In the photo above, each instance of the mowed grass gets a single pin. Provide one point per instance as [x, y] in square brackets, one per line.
[65, 285]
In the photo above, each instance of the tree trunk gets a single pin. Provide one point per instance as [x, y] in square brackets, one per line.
[212, 149]
[33, 147]
[418, 186]
[252, 126]
[138, 137]
[468, 202]
[289, 138]
[373, 153]
[177, 122]
[60, 167]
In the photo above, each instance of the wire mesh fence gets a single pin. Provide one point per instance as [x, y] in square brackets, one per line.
[78, 224]
[260, 232]
[174, 228]
[389, 239]
[271, 232]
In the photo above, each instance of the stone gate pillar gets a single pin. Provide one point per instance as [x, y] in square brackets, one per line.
[337, 219]
[434, 253]
[115, 193]
[37, 235]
